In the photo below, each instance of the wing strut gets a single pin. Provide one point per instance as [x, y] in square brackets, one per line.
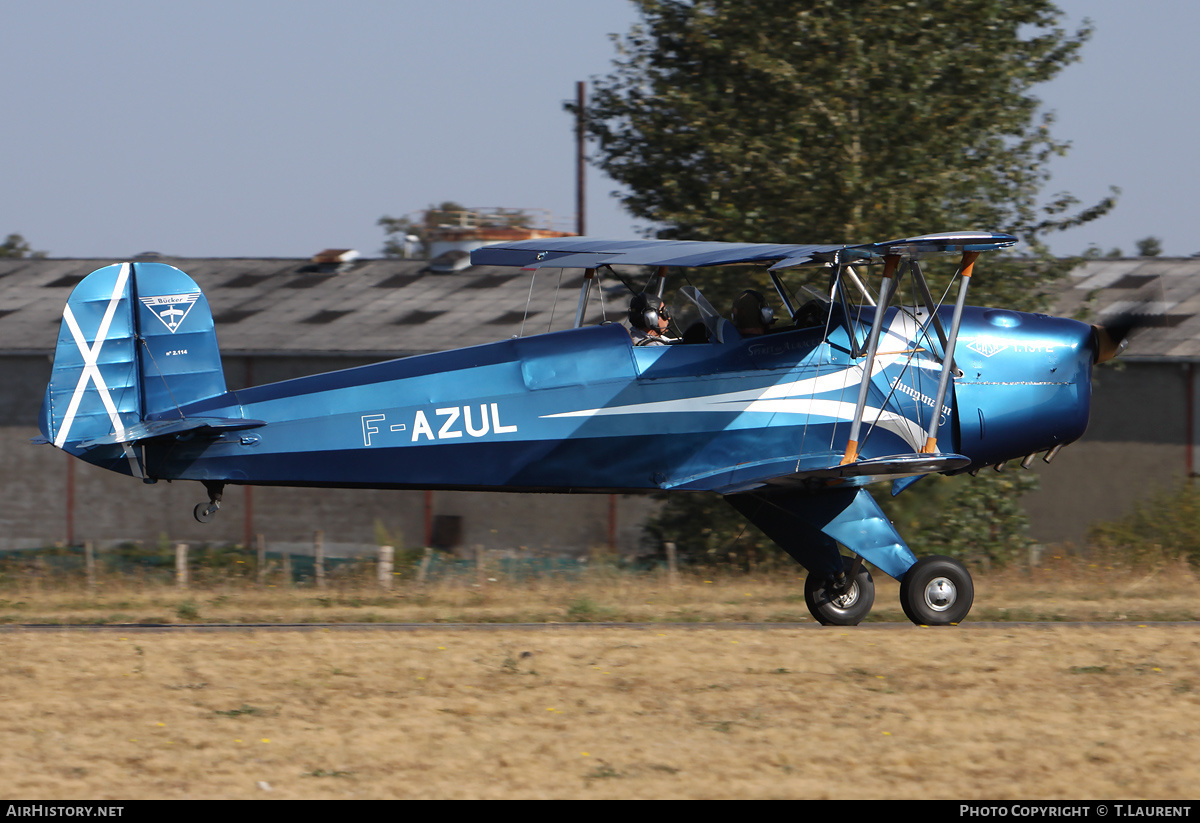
[661, 285]
[585, 292]
[965, 268]
[890, 261]
[852, 274]
[783, 295]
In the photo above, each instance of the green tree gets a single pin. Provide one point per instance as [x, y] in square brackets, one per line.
[15, 246]
[1149, 247]
[1164, 525]
[827, 121]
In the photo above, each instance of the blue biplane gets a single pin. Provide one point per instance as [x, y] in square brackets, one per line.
[790, 426]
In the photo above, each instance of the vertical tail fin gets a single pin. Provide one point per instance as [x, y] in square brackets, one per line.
[136, 343]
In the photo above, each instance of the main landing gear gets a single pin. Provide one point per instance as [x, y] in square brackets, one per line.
[844, 600]
[935, 591]
[205, 511]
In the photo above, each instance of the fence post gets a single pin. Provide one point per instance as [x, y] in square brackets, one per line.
[319, 557]
[424, 568]
[89, 562]
[479, 571]
[386, 557]
[261, 546]
[181, 565]
[672, 569]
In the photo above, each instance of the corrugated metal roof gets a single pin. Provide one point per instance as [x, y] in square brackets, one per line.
[385, 307]
[392, 308]
[1164, 289]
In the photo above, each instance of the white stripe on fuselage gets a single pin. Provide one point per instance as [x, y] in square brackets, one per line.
[798, 396]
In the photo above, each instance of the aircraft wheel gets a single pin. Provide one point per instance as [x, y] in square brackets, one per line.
[847, 609]
[937, 591]
[204, 512]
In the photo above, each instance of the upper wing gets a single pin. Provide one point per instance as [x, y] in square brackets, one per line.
[590, 252]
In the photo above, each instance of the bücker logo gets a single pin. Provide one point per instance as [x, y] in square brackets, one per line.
[171, 309]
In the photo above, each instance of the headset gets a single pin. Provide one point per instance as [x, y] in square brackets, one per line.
[645, 310]
[765, 314]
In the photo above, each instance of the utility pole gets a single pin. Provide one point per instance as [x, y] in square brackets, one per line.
[580, 160]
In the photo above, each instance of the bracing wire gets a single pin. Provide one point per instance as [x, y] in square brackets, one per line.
[600, 294]
[808, 416]
[162, 377]
[922, 330]
[900, 307]
[554, 305]
[528, 302]
[852, 325]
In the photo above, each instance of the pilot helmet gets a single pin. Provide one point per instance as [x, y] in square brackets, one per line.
[645, 310]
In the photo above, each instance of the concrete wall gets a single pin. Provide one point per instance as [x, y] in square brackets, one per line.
[1136, 444]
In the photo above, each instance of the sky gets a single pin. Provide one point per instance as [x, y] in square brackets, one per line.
[277, 128]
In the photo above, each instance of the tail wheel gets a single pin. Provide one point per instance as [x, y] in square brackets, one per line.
[937, 591]
[847, 605]
[204, 511]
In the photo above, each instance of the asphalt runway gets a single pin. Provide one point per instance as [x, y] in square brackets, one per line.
[486, 627]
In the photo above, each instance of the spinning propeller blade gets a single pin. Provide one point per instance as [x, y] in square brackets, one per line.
[1110, 338]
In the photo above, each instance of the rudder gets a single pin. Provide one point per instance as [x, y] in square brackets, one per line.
[136, 342]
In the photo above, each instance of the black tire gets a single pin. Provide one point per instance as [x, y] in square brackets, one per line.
[203, 513]
[831, 609]
[937, 591]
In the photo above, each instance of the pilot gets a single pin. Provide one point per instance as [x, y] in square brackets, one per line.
[751, 314]
[649, 319]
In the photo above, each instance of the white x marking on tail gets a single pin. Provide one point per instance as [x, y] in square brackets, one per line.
[91, 355]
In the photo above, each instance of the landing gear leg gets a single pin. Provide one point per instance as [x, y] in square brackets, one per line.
[205, 511]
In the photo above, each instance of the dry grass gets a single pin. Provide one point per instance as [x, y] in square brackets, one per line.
[1064, 590]
[666, 712]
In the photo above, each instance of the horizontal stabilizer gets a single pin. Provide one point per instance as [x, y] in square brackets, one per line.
[151, 429]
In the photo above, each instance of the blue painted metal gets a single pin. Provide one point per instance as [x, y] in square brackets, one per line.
[809, 527]
[137, 388]
[590, 252]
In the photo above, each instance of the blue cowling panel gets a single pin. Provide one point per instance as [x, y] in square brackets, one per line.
[1026, 383]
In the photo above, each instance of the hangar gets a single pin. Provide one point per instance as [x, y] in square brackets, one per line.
[1142, 434]
[278, 319]
[283, 318]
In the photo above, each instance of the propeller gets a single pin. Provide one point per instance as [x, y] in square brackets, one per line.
[1111, 338]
